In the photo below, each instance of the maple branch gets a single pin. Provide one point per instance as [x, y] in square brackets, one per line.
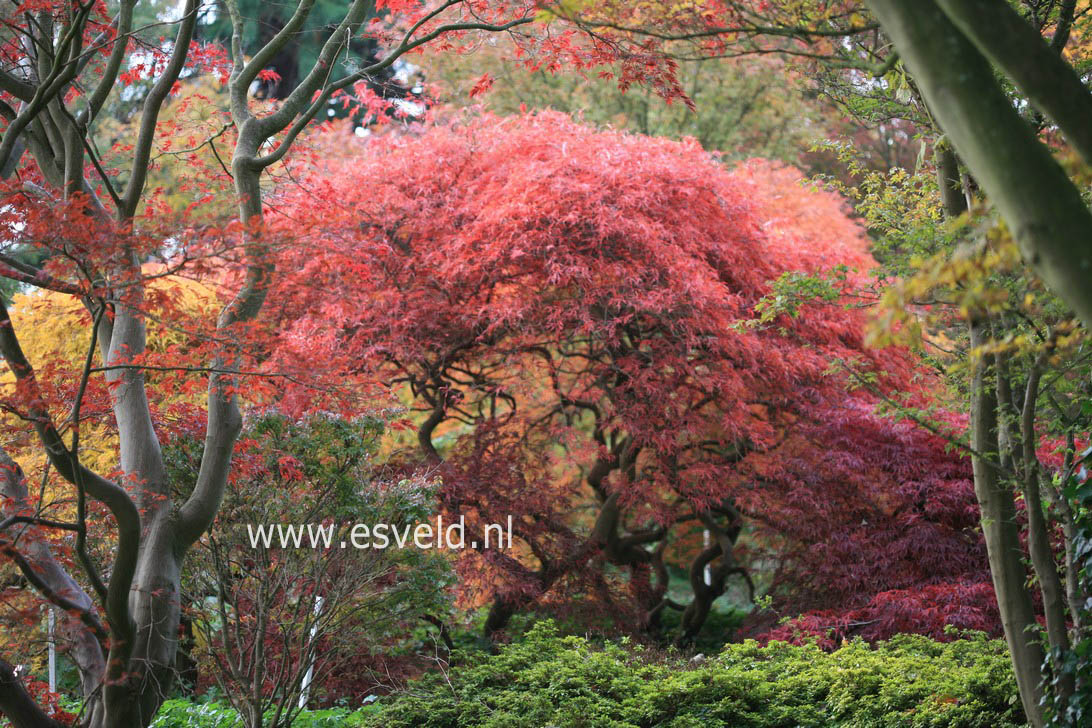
[126, 516]
[208, 370]
[224, 419]
[191, 150]
[16, 87]
[101, 172]
[17, 704]
[237, 91]
[1066, 14]
[152, 106]
[123, 24]
[404, 47]
[266, 53]
[61, 73]
[802, 33]
[17, 270]
[267, 126]
[81, 489]
[85, 613]
[37, 521]
[748, 29]
[445, 635]
[1002, 532]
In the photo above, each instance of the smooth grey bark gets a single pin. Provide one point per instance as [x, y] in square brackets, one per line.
[141, 600]
[1038, 536]
[1074, 595]
[1002, 533]
[991, 442]
[1043, 209]
[1037, 69]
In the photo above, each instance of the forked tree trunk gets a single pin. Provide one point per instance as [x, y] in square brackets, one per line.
[995, 496]
[1002, 533]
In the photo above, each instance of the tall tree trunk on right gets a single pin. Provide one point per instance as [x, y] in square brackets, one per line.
[1002, 533]
[995, 496]
[1043, 208]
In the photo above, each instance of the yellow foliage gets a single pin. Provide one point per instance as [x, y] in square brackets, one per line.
[187, 169]
[55, 331]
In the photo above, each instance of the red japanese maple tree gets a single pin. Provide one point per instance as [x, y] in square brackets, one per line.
[572, 313]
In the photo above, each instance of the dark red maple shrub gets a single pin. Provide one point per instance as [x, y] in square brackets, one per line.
[878, 536]
[571, 313]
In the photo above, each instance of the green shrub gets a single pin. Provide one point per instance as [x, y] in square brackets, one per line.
[181, 713]
[569, 682]
[547, 679]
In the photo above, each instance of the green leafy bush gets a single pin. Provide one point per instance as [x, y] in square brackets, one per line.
[549, 680]
[181, 713]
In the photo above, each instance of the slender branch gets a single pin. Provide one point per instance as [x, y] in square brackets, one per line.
[123, 24]
[87, 616]
[266, 53]
[152, 106]
[17, 270]
[404, 47]
[37, 521]
[81, 489]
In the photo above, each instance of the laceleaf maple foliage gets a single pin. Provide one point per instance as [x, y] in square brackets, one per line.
[878, 536]
[572, 314]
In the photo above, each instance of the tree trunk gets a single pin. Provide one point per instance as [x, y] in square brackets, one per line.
[1042, 207]
[998, 508]
[1002, 533]
[1042, 553]
[1039, 71]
